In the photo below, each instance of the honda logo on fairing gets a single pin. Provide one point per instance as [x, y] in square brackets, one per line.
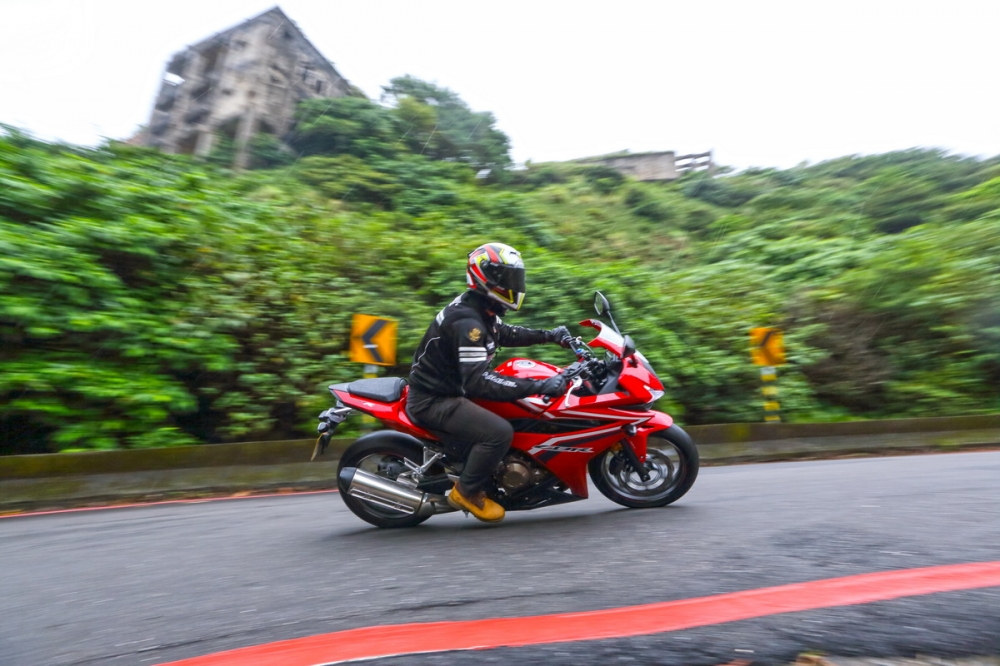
[546, 446]
[554, 443]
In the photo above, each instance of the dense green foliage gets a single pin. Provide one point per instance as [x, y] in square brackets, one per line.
[151, 300]
[423, 120]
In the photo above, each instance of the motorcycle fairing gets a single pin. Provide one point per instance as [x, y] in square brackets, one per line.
[392, 414]
[607, 337]
[566, 455]
[659, 421]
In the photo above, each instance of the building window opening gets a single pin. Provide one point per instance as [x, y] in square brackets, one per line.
[187, 145]
[200, 90]
[213, 58]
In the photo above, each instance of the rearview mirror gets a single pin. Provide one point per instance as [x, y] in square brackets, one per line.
[601, 304]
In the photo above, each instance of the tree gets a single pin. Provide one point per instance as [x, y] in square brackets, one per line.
[458, 133]
[343, 126]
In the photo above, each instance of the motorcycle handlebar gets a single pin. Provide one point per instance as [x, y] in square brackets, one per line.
[576, 344]
[583, 368]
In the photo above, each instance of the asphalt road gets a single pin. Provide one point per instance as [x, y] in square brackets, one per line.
[160, 583]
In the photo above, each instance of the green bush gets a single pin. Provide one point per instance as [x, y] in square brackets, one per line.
[155, 300]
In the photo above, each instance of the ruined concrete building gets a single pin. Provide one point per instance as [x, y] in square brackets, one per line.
[659, 166]
[237, 83]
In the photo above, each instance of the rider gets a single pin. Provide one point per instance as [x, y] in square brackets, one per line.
[452, 365]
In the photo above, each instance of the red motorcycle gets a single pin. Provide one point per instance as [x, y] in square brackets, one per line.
[604, 424]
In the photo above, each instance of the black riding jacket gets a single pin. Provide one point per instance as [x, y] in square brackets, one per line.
[453, 359]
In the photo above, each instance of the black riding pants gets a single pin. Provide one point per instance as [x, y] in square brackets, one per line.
[459, 422]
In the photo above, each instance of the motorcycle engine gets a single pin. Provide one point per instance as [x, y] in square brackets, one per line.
[517, 473]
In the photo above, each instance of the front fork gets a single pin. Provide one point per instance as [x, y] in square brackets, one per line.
[628, 452]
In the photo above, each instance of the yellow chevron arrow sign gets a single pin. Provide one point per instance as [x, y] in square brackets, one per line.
[373, 340]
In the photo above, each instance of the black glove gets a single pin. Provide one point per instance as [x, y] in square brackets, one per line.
[554, 386]
[559, 335]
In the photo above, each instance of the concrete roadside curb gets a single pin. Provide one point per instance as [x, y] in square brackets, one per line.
[762, 442]
[77, 478]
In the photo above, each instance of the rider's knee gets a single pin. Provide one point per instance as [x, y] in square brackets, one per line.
[505, 433]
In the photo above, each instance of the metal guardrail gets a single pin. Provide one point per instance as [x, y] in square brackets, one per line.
[66, 478]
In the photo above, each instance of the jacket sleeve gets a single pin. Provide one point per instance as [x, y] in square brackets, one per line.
[478, 380]
[518, 336]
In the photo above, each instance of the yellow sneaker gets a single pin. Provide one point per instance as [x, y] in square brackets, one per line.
[479, 505]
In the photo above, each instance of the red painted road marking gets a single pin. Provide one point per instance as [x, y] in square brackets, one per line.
[177, 501]
[400, 639]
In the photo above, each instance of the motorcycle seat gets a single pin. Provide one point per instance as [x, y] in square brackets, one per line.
[383, 389]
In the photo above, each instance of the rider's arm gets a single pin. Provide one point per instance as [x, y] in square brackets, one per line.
[478, 380]
[518, 336]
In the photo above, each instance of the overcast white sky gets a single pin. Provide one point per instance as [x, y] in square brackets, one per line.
[761, 83]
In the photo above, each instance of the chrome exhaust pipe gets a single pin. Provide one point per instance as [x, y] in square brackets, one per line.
[390, 494]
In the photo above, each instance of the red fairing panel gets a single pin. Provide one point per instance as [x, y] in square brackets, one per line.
[638, 381]
[660, 421]
[521, 409]
[606, 338]
[392, 414]
[566, 454]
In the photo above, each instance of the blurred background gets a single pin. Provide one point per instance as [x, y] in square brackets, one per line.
[194, 202]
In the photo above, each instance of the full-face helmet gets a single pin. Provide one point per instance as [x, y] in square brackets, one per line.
[496, 271]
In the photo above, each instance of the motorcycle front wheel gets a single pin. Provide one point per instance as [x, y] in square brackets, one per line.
[672, 465]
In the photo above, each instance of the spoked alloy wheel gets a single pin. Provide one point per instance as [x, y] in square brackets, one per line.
[385, 459]
[672, 465]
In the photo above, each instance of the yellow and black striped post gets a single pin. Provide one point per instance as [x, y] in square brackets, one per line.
[767, 349]
[772, 408]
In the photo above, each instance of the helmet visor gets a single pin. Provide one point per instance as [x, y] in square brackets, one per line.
[508, 278]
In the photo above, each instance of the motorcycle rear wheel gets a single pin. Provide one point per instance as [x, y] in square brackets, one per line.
[383, 457]
[671, 461]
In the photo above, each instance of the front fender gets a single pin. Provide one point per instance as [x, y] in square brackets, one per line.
[660, 421]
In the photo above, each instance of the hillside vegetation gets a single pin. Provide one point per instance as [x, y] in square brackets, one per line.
[156, 300]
